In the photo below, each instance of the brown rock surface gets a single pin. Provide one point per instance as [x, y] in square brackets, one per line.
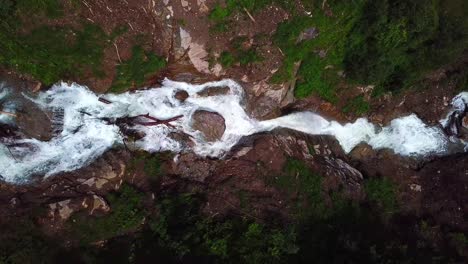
[213, 91]
[211, 124]
[181, 95]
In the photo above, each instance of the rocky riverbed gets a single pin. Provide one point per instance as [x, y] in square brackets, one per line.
[276, 178]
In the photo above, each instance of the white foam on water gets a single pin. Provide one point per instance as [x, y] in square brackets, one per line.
[459, 104]
[86, 135]
[406, 135]
[5, 105]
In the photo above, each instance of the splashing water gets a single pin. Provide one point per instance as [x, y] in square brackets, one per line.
[85, 134]
[6, 106]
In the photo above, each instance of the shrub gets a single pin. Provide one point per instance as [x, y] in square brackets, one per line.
[127, 214]
[180, 227]
[52, 53]
[226, 59]
[358, 105]
[135, 71]
[382, 193]
[394, 43]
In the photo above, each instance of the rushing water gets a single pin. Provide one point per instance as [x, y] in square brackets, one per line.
[86, 134]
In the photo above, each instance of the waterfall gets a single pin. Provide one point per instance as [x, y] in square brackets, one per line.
[86, 132]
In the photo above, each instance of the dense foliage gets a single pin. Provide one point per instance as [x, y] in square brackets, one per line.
[240, 52]
[48, 53]
[391, 44]
[135, 71]
[179, 226]
[394, 43]
[126, 216]
[325, 227]
[23, 242]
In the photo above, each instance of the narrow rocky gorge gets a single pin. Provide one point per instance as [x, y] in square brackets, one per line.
[233, 131]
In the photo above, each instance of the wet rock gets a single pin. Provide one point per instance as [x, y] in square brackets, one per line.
[362, 151]
[192, 167]
[184, 77]
[181, 96]
[182, 138]
[211, 124]
[265, 108]
[344, 174]
[214, 91]
[7, 131]
[267, 100]
[33, 122]
[375, 163]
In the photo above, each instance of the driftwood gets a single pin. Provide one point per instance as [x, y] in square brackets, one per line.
[134, 119]
[102, 100]
[8, 114]
[154, 121]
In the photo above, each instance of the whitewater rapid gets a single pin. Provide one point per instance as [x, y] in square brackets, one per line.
[85, 133]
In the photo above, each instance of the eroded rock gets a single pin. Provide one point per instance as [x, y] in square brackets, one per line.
[60, 212]
[211, 124]
[196, 52]
[181, 95]
[214, 91]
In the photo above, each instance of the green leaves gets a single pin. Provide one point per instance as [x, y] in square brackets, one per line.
[135, 71]
[382, 193]
[394, 43]
[181, 227]
[53, 53]
[358, 105]
[127, 215]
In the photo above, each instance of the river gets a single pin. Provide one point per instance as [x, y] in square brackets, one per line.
[86, 131]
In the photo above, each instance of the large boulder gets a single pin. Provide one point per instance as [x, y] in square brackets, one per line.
[211, 124]
[33, 122]
[181, 95]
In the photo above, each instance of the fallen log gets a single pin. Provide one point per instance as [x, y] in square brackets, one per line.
[8, 114]
[102, 100]
[155, 120]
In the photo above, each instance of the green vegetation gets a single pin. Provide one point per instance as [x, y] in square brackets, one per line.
[226, 59]
[126, 216]
[358, 105]
[135, 71]
[221, 15]
[48, 53]
[242, 53]
[305, 186]
[22, 242]
[391, 44]
[52, 53]
[394, 43]
[152, 164]
[51, 8]
[179, 226]
[176, 230]
[322, 56]
[382, 192]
